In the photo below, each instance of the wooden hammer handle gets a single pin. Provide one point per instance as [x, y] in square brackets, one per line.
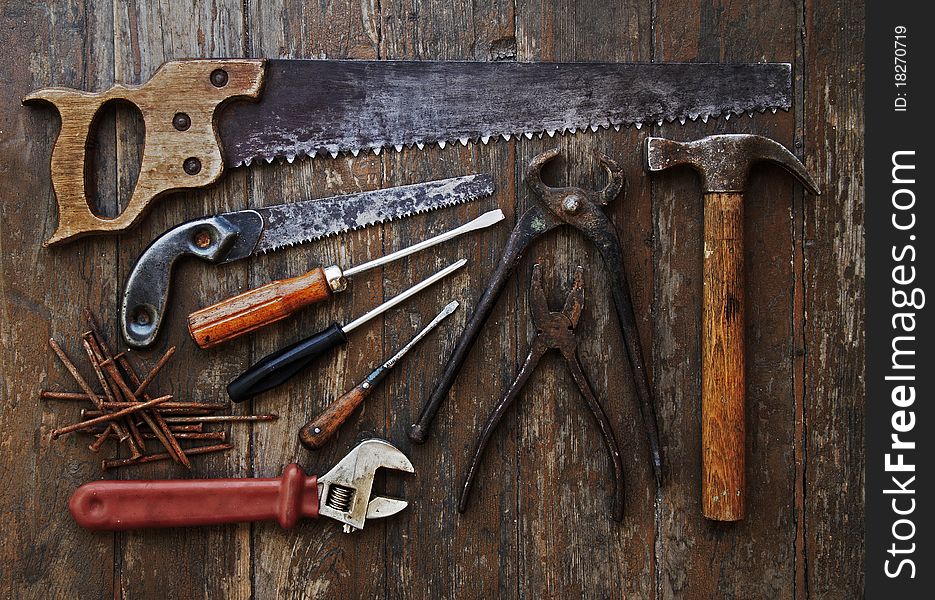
[256, 308]
[722, 359]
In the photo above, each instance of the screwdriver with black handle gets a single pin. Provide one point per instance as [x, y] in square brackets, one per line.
[320, 429]
[277, 300]
[275, 369]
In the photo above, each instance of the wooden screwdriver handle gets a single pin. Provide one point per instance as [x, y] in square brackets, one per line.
[722, 359]
[317, 432]
[257, 308]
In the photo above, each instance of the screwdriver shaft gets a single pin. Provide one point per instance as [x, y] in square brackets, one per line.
[485, 220]
[403, 296]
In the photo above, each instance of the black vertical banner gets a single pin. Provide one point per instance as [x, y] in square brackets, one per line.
[900, 225]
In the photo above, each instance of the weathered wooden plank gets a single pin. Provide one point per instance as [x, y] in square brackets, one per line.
[43, 552]
[568, 541]
[205, 562]
[315, 559]
[436, 551]
[834, 300]
[699, 558]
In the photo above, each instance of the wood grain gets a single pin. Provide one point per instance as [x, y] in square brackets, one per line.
[723, 384]
[833, 249]
[726, 31]
[538, 526]
[256, 308]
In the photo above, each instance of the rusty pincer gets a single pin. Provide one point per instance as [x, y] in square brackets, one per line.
[583, 210]
[554, 331]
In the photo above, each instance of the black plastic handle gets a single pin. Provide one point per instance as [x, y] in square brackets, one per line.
[275, 369]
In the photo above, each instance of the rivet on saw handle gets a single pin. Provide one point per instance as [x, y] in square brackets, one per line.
[178, 105]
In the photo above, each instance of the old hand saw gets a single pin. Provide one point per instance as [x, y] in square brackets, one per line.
[314, 107]
[228, 237]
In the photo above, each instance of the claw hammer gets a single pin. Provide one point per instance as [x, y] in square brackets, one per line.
[723, 162]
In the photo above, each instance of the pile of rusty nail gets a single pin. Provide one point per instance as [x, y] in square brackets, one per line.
[124, 411]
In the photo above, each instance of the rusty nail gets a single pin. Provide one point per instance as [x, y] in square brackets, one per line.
[108, 417]
[124, 462]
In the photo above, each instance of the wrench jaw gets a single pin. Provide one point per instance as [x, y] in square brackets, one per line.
[344, 492]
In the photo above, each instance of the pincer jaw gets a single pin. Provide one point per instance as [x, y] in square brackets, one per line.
[344, 492]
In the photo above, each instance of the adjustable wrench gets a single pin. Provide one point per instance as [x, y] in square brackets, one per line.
[344, 494]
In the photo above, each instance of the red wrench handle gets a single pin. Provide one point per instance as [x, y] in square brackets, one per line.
[120, 505]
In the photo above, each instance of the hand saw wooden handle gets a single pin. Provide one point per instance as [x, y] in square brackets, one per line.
[259, 307]
[122, 505]
[181, 148]
[722, 359]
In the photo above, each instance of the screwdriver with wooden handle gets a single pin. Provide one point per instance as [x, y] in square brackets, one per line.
[277, 300]
[320, 429]
[275, 369]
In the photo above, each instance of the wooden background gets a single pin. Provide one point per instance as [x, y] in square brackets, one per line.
[539, 523]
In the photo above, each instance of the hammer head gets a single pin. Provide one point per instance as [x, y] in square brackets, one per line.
[724, 161]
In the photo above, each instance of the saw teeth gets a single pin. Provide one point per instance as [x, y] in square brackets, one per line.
[304, 149]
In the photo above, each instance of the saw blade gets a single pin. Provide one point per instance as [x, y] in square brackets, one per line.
[312, 107]
[292, 224]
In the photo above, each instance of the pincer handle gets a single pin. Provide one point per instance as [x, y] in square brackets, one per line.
[181, 148]
[121, 505]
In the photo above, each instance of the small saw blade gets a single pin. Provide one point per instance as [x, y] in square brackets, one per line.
[300, 222]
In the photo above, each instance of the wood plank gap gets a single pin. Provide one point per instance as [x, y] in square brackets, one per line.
[800, 563]
[653, 346]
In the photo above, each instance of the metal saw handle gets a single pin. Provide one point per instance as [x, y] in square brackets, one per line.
[181, 149]
[217, 239]
[121, 505]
